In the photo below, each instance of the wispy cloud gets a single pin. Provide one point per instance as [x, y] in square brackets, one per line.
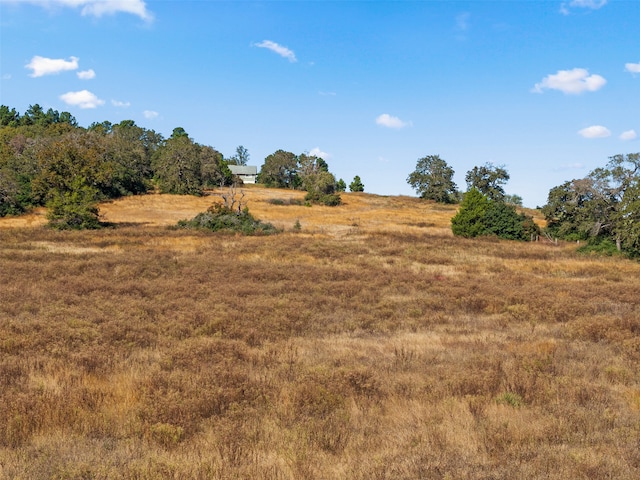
[119, 104]
[462, 21]
[632, 67]
[595, 131]
[628, 135]
[389, 121]
[569, 166]
[565, 7]
[82, 99]
[279, 49]
[86, 74]
[150, 114]
[327, 94]
[462, 25]
[98, 8]
[41, 66]
[592, 4]
[573, 81]
[316, 152]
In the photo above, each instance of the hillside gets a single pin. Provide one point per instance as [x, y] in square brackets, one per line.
[370, 344]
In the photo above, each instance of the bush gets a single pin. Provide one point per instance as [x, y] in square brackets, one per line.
[479, 216]
[503, 221]
[328, 199]
[321, 189]
[75, 209]
[221, 218]
[289, 201]
[469, 221]
[600, 246]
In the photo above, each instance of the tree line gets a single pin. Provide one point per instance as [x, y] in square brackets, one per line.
[47, 159]
[602, 209]
[306, 172]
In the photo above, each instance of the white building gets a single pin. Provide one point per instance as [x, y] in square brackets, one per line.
[246, 173]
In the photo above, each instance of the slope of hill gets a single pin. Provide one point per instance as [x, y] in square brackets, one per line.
[369, 344]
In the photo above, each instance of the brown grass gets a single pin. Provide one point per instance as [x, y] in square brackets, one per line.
[370, 345]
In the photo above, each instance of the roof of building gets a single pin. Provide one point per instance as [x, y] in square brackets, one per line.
[243, 169]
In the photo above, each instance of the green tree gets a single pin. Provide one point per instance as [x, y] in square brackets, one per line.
[309, 166]
[176, 165]
[241, 157]
[33, 116]
[280, 170]
[433, 180]
[469, 221]
[489, 180]
[62, 160]
[480, 216]
[515, 200]
[503, 220]
[356, 185]
[9, 117]
[566, 211]
[602, 207]
[75, 208]
[214, 169]
[72, 170]
[9, 189]
[627, 220]
[321, 188]
[341, 186]
[130, 159]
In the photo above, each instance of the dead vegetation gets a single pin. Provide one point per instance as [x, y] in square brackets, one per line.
[370, 344]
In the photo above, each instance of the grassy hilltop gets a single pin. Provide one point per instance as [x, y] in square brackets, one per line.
[367, 344]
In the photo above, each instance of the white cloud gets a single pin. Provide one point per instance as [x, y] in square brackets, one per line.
[573, 81]
[590, 4]
[279, 49]
[86, 74]
[98, 8]
[48, 66]
[628, 135]
[390, 121]
[632, 67]
[316, 152]
[118, 103]
[462, 21]
[82, 99]
[150, 114]
[6, 76]
[595, 131]
[327, 94]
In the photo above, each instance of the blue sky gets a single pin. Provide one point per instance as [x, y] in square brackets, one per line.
[549, 89]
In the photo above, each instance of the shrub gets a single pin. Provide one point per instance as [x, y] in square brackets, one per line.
[75, 209]
[221, 218]
[288, 201]
[600, 246]
[330, 199]
[469, 221]
[478, 215]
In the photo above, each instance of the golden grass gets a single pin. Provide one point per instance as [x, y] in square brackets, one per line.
[371, 344]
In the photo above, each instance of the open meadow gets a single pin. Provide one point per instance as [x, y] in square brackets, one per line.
[369, 343]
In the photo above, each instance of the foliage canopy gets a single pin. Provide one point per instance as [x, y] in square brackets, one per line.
[433, 180]
[480, 216]
[603, 207]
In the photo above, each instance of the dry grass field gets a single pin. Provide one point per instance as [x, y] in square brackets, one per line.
[368, 344]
